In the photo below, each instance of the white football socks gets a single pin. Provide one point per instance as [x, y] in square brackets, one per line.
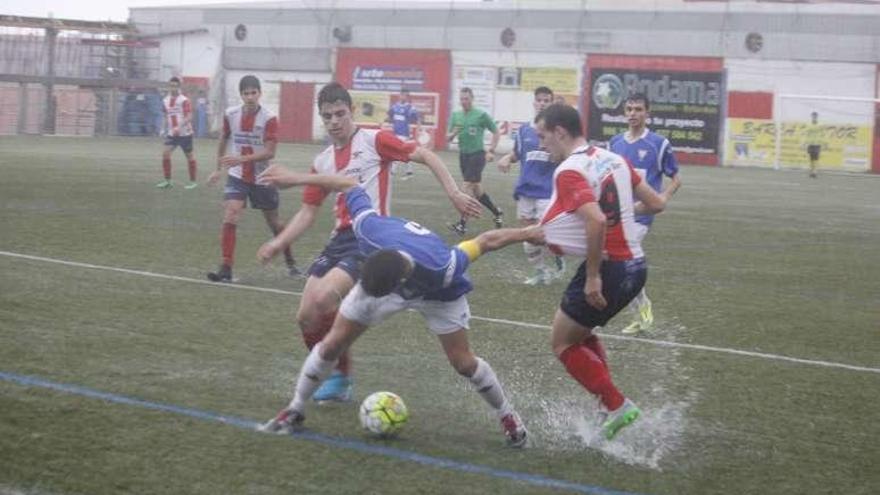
[637, 301]
[489, 388]
[314, 371]
[642, 297]
[535, 254]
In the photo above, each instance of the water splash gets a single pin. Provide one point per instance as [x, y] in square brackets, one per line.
[658, 432]
[571, 423]
[569, 426]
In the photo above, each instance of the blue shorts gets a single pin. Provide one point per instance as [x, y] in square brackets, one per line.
[621, 282]
[185, 142]
[261, 197]
[341, 252]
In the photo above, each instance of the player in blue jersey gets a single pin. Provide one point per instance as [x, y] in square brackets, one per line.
[652, 157]
[534, 187]
[401, 116]
[408, 267]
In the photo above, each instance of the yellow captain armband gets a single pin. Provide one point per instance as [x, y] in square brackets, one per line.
[471, 248]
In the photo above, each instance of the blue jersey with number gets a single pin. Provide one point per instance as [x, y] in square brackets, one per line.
[652, 157]
[536, 170]
[439, 270]
[401, 116]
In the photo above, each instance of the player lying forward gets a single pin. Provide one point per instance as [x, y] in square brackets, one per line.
[408, 267]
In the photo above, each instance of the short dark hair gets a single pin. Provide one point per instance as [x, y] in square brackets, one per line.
[466, 90]
[383, 271]
[175, 79]
[642, 97]
[249, 82]
[561, 115]
[333, 92]
[543, 90]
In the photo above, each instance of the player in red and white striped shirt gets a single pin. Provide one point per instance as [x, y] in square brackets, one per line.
[177, 110]
[250, 135]
[366, 155]
[591, 215]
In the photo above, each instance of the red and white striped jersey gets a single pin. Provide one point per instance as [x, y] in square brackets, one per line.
[176, 109]
[368, 156]
[593, 174]
[247, 134]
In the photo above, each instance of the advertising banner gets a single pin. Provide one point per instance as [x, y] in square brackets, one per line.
[686, 94]
[427, 104]
[383, 72]
[560, 80]
[387, 78]
[481, 80]
[371, 107]
[753, 142]
[685, 106]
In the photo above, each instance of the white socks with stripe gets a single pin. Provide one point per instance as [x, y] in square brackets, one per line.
[535, 254]
[489, 388]
[314, 371]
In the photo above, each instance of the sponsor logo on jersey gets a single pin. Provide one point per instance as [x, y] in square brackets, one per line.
[538, 155]
[604, 166]
[247, 139]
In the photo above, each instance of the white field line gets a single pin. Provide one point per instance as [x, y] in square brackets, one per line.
[660, 343]
[698, 347]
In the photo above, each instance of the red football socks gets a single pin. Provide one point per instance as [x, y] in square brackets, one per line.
[191, 166]
[227, 243]
[585, 366]
[592, 343]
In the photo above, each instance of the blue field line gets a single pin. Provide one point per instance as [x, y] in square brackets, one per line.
[343, 443]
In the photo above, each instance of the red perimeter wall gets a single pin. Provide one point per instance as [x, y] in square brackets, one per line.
[436, 65]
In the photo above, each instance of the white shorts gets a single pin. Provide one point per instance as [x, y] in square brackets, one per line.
[641, 231]
[442, 317]
[531, 208]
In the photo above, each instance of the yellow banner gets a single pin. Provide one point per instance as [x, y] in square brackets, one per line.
[753, 142]
[559, 79]
[370, 107]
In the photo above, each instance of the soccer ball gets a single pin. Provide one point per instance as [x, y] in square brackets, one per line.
[383, 414]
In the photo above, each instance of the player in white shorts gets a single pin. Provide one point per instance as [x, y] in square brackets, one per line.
[408, 267]
[533, 188]
[367, 155]
[401, 116]
[652, 157]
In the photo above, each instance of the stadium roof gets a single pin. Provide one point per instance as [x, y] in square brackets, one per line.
[773, 6]
[17, 21]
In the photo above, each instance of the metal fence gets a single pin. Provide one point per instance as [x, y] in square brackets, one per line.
[83, 111]
[69, 82]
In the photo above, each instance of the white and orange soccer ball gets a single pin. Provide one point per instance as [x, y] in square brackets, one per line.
[383, 414]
